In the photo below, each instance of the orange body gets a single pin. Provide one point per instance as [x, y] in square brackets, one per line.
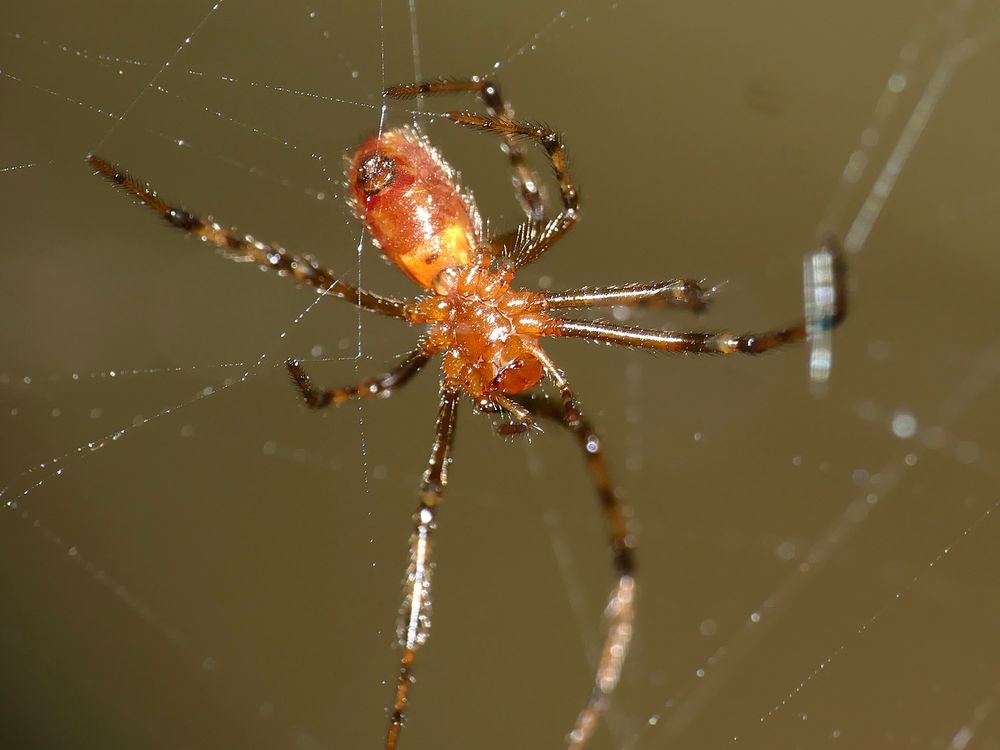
[408, 198]
[488, 331]
[409, 201]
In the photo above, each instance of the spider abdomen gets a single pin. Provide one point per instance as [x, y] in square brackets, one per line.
[410, 201]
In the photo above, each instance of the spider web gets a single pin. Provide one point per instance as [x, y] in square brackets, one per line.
[190, 560]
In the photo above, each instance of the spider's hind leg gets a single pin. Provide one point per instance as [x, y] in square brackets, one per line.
[379, 385]
[414, 625]
[620, 611]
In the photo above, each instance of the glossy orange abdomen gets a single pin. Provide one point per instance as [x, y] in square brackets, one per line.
[408, 198]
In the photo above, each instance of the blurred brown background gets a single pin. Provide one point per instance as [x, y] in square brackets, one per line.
[226, 573]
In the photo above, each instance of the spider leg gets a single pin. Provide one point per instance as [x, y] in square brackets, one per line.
[548, 139]
[525, 180]
[621, 604]
[527, 243]
[414, 624]
[674, 292]
[719, 342]
[245, 248]
[380, 385]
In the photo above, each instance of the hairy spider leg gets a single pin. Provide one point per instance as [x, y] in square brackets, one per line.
[383, 384]
[621, 603]
[549, 139]
[525, 180]
[673, 292]
[248, 249]
[528, 242]
[414, 622]
[718, 342]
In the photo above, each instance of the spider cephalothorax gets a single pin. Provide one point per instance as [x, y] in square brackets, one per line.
[487, 331]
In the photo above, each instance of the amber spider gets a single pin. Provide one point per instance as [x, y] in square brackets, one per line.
[487, 331]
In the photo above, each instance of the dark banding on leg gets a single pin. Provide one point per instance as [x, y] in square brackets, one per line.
[414, 621]
[379, 385]
[245, 248]
[718, 342]
[620, 611]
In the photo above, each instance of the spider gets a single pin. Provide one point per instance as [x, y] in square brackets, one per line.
[487, 331]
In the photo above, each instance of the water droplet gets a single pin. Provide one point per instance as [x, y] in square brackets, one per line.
[904, 425]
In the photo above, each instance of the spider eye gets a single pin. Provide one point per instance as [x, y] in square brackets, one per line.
[375, 174]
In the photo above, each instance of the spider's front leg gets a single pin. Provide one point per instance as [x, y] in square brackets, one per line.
[414, 623]
[246, 248]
